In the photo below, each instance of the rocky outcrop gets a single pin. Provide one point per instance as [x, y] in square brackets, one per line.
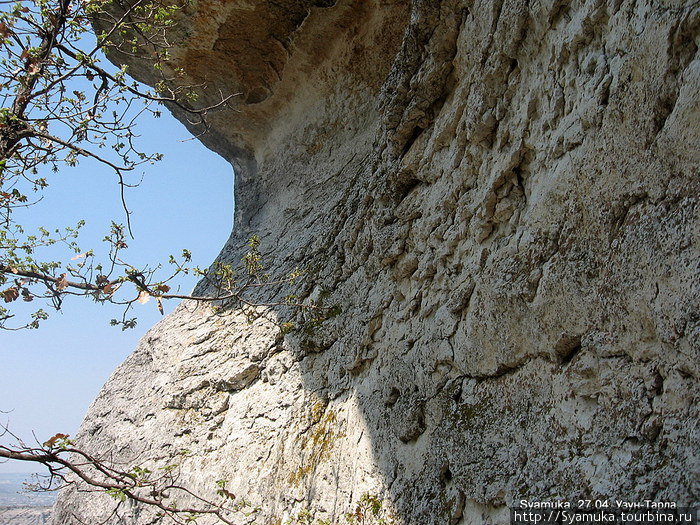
[502, 196]
[25, 515]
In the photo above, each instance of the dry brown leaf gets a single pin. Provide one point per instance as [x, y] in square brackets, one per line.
[11, 294]
[144, 297]
[52, 440]
[4, 30]
[62, 283]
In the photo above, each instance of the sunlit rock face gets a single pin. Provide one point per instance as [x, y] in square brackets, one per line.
[502, 196]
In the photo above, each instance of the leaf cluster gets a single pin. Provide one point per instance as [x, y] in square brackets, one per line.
[62, 103]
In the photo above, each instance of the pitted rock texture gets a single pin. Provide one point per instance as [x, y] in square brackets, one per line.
[25, 515]
[502, 196]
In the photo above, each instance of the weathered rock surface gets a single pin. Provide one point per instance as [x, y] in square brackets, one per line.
[25, 515]
[502, 195]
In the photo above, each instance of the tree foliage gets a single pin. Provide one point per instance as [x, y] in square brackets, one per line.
[62, 103]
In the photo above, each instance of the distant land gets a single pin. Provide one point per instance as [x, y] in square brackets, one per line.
[13, 492]
[20, 507]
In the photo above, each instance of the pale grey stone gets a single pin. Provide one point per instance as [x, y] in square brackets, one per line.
[502, 196]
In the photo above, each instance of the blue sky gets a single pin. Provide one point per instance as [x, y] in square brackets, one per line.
[49, 376]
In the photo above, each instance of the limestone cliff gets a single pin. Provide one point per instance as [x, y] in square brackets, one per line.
[502, 196]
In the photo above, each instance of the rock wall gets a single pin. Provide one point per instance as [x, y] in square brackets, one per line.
[25, 515]
[502, 196]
